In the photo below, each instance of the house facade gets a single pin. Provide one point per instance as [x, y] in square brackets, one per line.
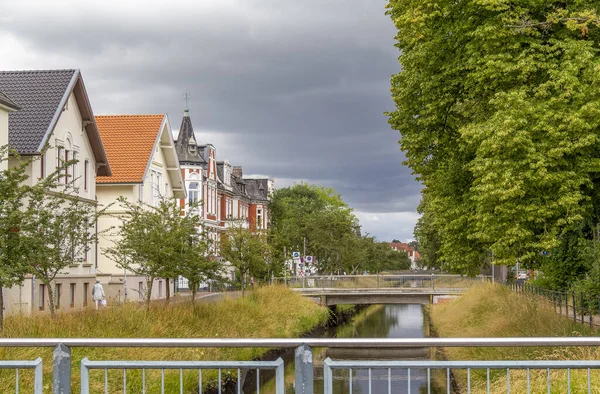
[145, 168]
[227, 197]
[413, 255]
[54, 123]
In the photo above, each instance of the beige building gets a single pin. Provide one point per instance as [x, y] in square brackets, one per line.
[55, 123]
[144, 167]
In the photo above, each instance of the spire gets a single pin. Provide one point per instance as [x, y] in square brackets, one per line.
[186, 111]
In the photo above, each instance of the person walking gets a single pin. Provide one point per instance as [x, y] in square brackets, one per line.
[98, 293]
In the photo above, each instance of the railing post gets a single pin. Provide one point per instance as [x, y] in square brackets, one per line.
[304, 370]
[61, 370]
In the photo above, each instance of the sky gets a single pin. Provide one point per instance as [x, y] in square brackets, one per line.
[296, 90]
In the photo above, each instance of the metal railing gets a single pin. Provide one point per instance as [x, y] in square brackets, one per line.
[582, 307]
[448, 367]
[36, 365]
[304, 358]
[416, 281]
[199, 366]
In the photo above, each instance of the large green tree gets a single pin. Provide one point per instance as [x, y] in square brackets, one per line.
[318, 217]
[498, 108]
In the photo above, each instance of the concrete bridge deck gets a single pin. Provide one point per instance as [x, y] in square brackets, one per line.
[366, 296]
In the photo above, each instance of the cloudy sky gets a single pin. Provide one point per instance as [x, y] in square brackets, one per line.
[292, 89]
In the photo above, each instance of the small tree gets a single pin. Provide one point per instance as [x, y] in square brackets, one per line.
[245, 251]
[59, 230]
[155, 242]
[196, 264]
[13, 193]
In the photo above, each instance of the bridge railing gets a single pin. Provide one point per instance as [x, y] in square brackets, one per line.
[557, 375]
[427, 281]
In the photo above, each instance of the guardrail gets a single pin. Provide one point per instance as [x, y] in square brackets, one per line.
[87, 365]
[548, 367]
[430, 281]
[36, 365]
[304, 363]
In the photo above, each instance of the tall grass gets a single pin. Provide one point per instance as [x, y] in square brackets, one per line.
[489, 310]
[267, 312]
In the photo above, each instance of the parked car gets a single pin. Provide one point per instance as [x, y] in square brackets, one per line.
[522, 276]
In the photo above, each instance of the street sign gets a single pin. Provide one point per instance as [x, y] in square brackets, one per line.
[296, 255]
[308, 259]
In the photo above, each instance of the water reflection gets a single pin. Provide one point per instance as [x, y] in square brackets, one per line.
[377, 321]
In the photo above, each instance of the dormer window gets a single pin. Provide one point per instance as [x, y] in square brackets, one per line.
[192, 148]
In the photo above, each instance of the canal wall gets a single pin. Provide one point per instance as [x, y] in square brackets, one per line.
[489, 310]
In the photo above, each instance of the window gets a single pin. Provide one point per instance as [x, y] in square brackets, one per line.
[59, 155]
[67, 167]
[160, 289]
[74, 172]
[141, 192]
[86, 287]
[72, 295]
[42, 297]
[43, 166]
[57, 291]
[155, 183]
[193, 193]
[86, 166]
[141, 290]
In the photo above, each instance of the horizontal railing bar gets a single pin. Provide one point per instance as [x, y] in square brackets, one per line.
[20, 364]
[293, 278]
[295, 342]
[518, 364]
[181, 364]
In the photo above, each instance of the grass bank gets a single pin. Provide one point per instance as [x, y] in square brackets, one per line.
[267, 312]
[489, 310]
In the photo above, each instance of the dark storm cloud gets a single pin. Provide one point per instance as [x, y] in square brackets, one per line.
[295, 89]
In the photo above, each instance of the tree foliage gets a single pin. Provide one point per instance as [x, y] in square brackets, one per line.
[245, 251]
[498, 109]
[158, 242]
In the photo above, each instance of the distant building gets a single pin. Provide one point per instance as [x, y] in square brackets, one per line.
[413, 255]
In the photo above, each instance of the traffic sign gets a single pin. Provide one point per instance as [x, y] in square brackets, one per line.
[296, 255]
[308, 259]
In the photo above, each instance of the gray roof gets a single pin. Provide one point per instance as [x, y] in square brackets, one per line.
[186, 138]
[42, 95]
[5, 101]
[257, 189]
[236, 186]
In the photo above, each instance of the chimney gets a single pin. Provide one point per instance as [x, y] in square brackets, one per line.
[237, 171]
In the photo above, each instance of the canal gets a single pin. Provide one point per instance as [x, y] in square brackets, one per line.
[376, 321]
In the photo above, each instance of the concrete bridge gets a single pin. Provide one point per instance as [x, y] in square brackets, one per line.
[368, 296]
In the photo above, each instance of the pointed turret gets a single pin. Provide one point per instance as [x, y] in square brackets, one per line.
[187, 146]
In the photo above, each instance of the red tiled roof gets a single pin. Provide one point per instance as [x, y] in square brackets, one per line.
[128, 141]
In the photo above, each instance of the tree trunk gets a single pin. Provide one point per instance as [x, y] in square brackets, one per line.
[51, 299]
[243, 283]
[168, 289]
[2, 308]
[149, 283]
[194, 291]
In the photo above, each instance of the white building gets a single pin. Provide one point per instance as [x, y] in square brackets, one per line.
[55, 114]
[144, 167]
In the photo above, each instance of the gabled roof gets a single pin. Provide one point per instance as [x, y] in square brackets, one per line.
[186, 138]
[130, 141]
[42, 95]
[7, 103]
[257, 189]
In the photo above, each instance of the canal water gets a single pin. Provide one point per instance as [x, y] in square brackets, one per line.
[376, 321]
